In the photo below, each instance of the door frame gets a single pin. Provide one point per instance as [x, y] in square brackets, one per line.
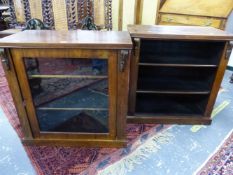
[111, 55]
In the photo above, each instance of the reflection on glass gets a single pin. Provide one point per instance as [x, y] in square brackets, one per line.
[68, 66]
[73, 121]
[70, 95]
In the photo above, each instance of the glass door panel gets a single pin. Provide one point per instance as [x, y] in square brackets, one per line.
[67, 66]
[69, 95]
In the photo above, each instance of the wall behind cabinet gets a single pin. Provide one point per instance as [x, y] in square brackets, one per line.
[123, 11]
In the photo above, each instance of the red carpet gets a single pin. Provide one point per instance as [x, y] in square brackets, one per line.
[59, 160]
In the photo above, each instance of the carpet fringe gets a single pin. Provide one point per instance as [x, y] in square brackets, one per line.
[135, 158]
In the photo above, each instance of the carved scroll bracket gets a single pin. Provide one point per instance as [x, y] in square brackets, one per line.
[5, 60]
[229, 50]
[123, 60]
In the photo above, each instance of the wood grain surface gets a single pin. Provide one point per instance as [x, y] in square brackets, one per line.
[68, 39]
[178, 32]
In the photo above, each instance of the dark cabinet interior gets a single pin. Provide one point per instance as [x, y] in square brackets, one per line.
[69, 95]
[176, 77]
[175, 73]
[203, 53]
[170, 104]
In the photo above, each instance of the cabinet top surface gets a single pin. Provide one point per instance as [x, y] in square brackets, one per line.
[179, 32]
[68, 39]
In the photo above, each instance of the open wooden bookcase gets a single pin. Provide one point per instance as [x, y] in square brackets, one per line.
[175, 73]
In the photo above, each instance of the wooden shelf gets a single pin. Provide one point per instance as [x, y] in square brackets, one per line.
[69, 76]
[175, 65]
[153, 118]
[168, 58]
[174, 92]
[72, 109]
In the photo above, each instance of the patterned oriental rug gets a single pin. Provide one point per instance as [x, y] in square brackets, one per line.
[63, 160]
[221, 162]
[144, 143]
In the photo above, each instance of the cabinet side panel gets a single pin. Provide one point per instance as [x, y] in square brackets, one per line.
[217, 82]
[17, 97]
[133, 76]
[112, 72]
[122, 94]
[25, 89]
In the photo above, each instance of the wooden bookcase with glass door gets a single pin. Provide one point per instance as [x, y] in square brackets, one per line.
[69, 88]
[176, 72]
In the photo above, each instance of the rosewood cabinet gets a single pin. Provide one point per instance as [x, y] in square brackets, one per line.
[175, 73]
[69, 88]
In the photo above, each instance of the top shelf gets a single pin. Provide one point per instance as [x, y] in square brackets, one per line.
[70, 76]
[176, 65]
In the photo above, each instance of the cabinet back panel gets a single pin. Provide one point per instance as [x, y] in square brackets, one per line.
[175, 78]
[181, 52]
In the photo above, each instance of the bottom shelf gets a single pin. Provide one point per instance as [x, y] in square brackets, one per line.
[171, 104]
[156, 119]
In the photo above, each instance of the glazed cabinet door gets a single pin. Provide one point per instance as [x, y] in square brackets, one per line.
[68, 93]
